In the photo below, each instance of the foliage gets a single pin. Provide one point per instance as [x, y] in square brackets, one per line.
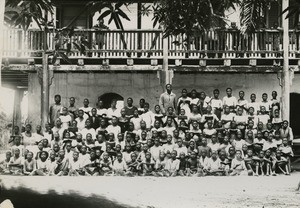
[113, 10]
[190, 16]
[26, 12]
[64, 42]
[253, 14]
[293, 11]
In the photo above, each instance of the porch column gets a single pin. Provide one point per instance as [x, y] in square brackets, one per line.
[17, 115]
[45, 91]
[2, 9]
[285, 88]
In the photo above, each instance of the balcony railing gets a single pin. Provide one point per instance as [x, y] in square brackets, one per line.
[214, 44]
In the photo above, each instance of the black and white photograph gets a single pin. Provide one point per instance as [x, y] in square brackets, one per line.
[150, 104]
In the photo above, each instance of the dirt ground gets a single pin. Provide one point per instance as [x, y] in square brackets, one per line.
[181, 192]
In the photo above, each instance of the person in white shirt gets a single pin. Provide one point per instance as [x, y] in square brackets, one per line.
[156, 149]
[214, 145]
[88, 130]
[75, 165]
[119, 166]
[253, 104]
[227, 117]
[82, 117]
[65, 118]
[86, 108]
[265, 103]
[263, 117]
[101, 111]
[214, 164]
[184, 102]
[136, 120]
[242, 103]
[114, 128]
[147, 116]
[172, 165]
[179, 148]
[230, 100]
[113, 111]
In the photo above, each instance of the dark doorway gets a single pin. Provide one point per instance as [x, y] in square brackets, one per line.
[108, 97]
[294, 113]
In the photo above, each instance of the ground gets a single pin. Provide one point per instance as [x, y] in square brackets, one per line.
[151, 192]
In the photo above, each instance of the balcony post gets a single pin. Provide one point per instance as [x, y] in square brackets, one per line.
[285, 88]
[2, 9]
[45, 90]
[165, 61]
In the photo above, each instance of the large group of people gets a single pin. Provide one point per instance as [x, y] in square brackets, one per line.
[194, 135]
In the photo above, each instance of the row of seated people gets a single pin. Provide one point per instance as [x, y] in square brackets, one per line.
[151, 159]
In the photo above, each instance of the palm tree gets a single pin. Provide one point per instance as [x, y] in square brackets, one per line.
[23, 13]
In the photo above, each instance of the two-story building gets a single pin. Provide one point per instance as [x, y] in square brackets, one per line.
[132, 62]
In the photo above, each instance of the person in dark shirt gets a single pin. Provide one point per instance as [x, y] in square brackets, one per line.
[129, 109]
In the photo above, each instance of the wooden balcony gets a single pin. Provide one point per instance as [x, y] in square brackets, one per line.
[215, 46]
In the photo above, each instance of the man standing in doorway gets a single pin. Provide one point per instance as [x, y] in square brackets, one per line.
[167, 99]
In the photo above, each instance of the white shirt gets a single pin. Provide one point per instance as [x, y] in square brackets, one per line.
[86, 109]
[66, 120]
[136, 122]
[230, 101]
[86, 131]
[254, 105]
[155, 151]
[114, 129]
[80, 123]
[102, 111]
[111, 113]
[216, 103]
[148, 117]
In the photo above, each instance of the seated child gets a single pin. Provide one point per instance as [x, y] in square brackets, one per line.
[4, 169]
[179, 147]
[75, 166]
[214, 165]
[259, 160]
[193, 165]
[62, 164]
[238, 166]
[169, 146]
[105, 165]
[224, 162]
[119, 166]
[133, 165]
[280, 164]
[16, 163]
[286, 151]
[148, 165]
[250, 163]
[214, 145]
[41, 164]
[183, 165]
[29, 164]
[268, 163]
[160, 164]
[203, 161]
[172, 165]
